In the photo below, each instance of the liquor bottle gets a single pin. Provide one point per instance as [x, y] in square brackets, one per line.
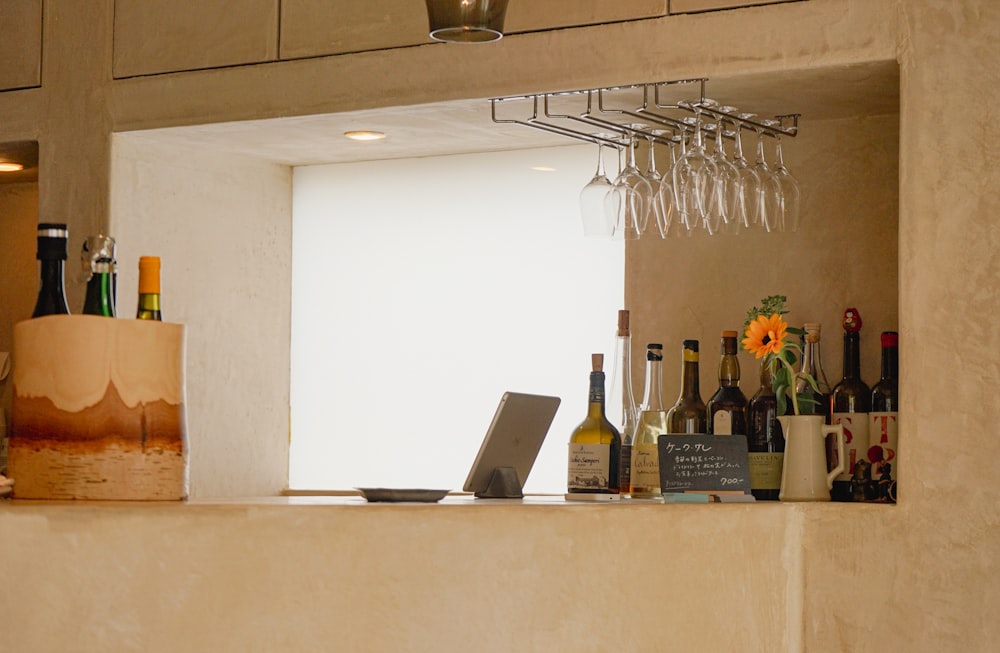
[645, 476]
[688, 414]
[53, 239]
[595, 445]
[851, 404]
[727, 408]
[765, 441]
[621, 386]
[883, 426]
[100, 298]
[149, 289]
[812, 364]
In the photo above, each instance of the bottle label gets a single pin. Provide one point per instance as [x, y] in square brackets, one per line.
[722, 422]
[855, 446]
[765, 470]
[883, 440]
[645, 469]
[589, 467]
[625, 468]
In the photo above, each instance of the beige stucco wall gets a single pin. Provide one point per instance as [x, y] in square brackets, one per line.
[920, 576]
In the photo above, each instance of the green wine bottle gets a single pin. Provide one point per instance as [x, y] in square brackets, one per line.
[595, 445]
[688, 415]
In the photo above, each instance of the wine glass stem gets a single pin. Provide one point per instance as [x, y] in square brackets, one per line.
[600, 159]
[777, 152]
[760, 147]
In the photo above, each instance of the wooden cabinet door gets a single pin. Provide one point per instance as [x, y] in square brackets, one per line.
[158, 36]
[20, 44]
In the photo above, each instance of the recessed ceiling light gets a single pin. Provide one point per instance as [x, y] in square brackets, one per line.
[364, 135]
[9, 166]
[543, 168]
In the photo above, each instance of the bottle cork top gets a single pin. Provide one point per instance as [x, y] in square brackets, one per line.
[623, 323]
[597, 362]
[730, 334]
[149, 275]
[890, 339]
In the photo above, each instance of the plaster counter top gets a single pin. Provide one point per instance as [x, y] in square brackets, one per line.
[301, 573]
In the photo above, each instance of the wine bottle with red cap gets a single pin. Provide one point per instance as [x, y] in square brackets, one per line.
[851, 404]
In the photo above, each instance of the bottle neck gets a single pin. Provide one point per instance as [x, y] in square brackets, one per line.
[595, 408]
[690, 383]
[51, 294]
[149, 309]
[624, 380]
[729, 365]
[890, 362]
[653, 398]
[99, 300]
[766, 380]
[852, 355]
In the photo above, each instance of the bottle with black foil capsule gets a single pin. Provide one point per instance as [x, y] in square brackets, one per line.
[851, 404]
[53, 239]
[100, 295]
[621, 390]
[765, 440]
[149, 289]
[688, 415]
[595, 445]
[645, 476]
[812, 364]
[883, 426]
[727, 408]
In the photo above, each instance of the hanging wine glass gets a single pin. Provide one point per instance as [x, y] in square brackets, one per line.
[748, 186]
[653, 177]
[595, 218]
[694, 174]
[631, 198]
[668, 219]
[726, 188]
[765, 199]
[785, 189]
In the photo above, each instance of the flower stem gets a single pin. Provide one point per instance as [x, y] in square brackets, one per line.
[791, 386]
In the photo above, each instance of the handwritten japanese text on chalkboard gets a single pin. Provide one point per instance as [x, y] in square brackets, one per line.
[703, 462]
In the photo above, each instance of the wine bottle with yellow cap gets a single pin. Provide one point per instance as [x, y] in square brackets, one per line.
[149, 289]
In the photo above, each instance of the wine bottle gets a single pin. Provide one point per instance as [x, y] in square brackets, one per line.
[645, 476]
[765, 441]
[100, 298]
[883, 427]
[595, 445]
[53, 241]
[149, 289]
[621, 386]
[727, 408]
[813, 365]
[688, 414]
[851, 404]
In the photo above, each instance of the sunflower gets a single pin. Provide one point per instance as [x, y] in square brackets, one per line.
[765, 335]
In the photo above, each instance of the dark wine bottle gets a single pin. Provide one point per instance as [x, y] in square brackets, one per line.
[688, 415]
[883, 427]
[812, 365]
[727, 408]
[595, 445]
[765, 441]
[53, 239]
[851, 405]
[149, 289]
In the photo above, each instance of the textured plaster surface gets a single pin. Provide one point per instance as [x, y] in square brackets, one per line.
[920, 576]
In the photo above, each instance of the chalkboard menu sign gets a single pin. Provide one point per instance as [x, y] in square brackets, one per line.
[703, 463]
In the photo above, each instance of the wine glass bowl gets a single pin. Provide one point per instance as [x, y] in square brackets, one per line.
[592, 205]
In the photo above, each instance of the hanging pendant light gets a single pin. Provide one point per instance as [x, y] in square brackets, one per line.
[466, 21]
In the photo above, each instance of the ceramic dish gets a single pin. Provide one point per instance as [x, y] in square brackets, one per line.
[374, 494]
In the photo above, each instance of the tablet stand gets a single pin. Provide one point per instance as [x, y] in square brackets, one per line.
[503, 485]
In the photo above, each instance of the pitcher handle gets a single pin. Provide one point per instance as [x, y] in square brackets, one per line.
[838, 470]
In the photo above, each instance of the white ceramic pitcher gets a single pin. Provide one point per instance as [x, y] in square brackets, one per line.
[803, 472]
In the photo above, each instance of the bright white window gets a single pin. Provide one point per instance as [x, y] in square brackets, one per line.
[422, 289]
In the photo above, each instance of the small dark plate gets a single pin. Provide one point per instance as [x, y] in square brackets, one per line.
[374, 494]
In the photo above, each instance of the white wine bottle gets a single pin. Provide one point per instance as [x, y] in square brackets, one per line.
[595, 445]
[645, 476]
[149, 289]
[688, 415]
